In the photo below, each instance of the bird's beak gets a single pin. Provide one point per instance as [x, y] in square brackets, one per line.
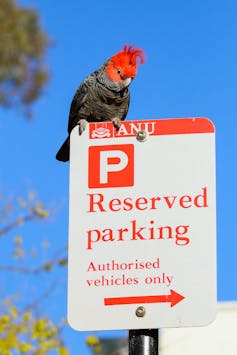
[127, 82]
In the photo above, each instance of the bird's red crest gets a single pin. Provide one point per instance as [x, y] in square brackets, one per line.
[134, 53]
[126, 60]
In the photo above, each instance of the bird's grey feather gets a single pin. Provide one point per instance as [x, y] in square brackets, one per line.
[97, 99]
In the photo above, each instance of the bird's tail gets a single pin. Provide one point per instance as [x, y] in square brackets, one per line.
[63, 152]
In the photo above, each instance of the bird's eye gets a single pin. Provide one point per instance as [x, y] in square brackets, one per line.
[119, 71]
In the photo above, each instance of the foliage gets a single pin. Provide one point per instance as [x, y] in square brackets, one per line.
[14, 214]
[31, 209]
[23, 44]
[94, 343]
[23, 75]
[22, 329]
[23, 333]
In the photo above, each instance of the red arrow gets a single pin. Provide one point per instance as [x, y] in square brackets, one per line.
[173, 298]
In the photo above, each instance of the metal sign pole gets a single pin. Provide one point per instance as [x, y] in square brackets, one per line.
[143, 342]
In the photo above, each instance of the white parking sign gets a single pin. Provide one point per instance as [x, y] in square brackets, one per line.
[142, 225]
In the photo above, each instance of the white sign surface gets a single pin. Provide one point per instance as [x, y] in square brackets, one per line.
[142, 225]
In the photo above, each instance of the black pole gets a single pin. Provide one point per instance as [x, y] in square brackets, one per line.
[143, 342]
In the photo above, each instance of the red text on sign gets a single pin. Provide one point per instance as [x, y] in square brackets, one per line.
[99, 203]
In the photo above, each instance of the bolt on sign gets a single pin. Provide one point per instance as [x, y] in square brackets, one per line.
[142, 229]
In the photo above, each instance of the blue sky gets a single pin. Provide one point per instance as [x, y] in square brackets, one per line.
[190, 70]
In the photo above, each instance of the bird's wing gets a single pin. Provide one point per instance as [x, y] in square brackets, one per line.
[78, 100]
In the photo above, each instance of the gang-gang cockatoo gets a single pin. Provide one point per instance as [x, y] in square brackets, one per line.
[104, 94]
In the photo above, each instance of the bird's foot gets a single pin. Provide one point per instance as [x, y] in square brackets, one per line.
[82, 125]
[116, 122]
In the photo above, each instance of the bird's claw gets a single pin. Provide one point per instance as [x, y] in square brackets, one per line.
[82, 125]
[116, 122]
